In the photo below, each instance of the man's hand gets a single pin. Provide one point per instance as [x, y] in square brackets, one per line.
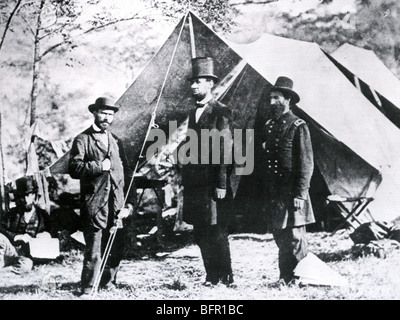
[118, 225]
[299, 203]
[220, 193]
[125, 211]
[22, 237]
[106, 164]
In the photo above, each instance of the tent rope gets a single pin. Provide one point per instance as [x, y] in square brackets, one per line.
[152, 124]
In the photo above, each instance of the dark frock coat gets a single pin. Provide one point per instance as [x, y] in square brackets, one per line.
[210, 216]
[289, 164]
[200, 180]
[97, 186]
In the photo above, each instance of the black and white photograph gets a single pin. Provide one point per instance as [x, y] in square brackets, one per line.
[199, 155]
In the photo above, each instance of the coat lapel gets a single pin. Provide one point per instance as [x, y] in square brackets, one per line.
[99, 143]
[205, 115]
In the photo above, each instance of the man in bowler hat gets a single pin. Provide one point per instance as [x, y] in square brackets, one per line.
[19, 225]
[288, 160]
[97, 158]
[207, 194]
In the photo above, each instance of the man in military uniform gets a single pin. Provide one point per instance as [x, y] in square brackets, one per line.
[288, 159]
[207, 194]
[19, 225]
[98, 160]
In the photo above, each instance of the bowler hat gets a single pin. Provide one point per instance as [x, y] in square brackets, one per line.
[203, 67]
[103, 103]
[26, 185]
[285, 84]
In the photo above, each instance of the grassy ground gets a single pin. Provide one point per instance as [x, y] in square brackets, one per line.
[179, 274]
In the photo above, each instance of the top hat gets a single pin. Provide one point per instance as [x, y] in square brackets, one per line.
[103, 103]
[26, 185]
[285, 84]
[203, 67]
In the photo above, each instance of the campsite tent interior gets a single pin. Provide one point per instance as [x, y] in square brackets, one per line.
[355, 146]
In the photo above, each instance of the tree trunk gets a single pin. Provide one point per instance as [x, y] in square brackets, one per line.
[2, 169]
[35, 69]
[6, 28]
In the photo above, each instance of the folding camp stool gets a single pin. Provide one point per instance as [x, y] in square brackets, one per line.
[351, 216]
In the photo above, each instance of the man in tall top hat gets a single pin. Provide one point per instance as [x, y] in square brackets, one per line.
[207, 194]
[97, 158]
[20, 224]
[288, 158]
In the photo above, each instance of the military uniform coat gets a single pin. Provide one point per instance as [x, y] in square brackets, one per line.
[98, 187]
[288, 160]
[200, 180]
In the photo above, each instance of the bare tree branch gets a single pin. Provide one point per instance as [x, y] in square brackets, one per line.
[27, 23]
[59, 28]
[252, 2]
[50, 49]
[9, 22]
[112, 23]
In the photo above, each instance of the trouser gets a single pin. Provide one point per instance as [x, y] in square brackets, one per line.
[292, 245]
[8, 253]
[9, 257]
[214, 246]
[96, 241]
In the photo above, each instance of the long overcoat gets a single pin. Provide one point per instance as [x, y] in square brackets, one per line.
[99, 188]
[288, 163]
[200, 206]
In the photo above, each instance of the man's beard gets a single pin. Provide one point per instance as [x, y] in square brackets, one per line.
[103, 125]
[276, 110]
[198, 96]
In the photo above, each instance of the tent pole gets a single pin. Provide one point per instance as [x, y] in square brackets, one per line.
[192, 43]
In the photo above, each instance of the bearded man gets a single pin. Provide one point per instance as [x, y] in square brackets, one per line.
[207, 194]
[289, 165]
[20, 224]
[97, 158]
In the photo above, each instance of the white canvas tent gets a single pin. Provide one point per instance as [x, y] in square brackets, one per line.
[368, 73]
[337, 106]
[356, 147]
[368, 67]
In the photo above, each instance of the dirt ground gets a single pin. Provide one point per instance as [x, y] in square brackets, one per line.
[178, 274]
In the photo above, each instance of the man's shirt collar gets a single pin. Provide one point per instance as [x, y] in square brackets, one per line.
[97, 129]
[203, 102]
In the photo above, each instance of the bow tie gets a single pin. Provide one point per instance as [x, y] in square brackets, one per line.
[200, 105]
